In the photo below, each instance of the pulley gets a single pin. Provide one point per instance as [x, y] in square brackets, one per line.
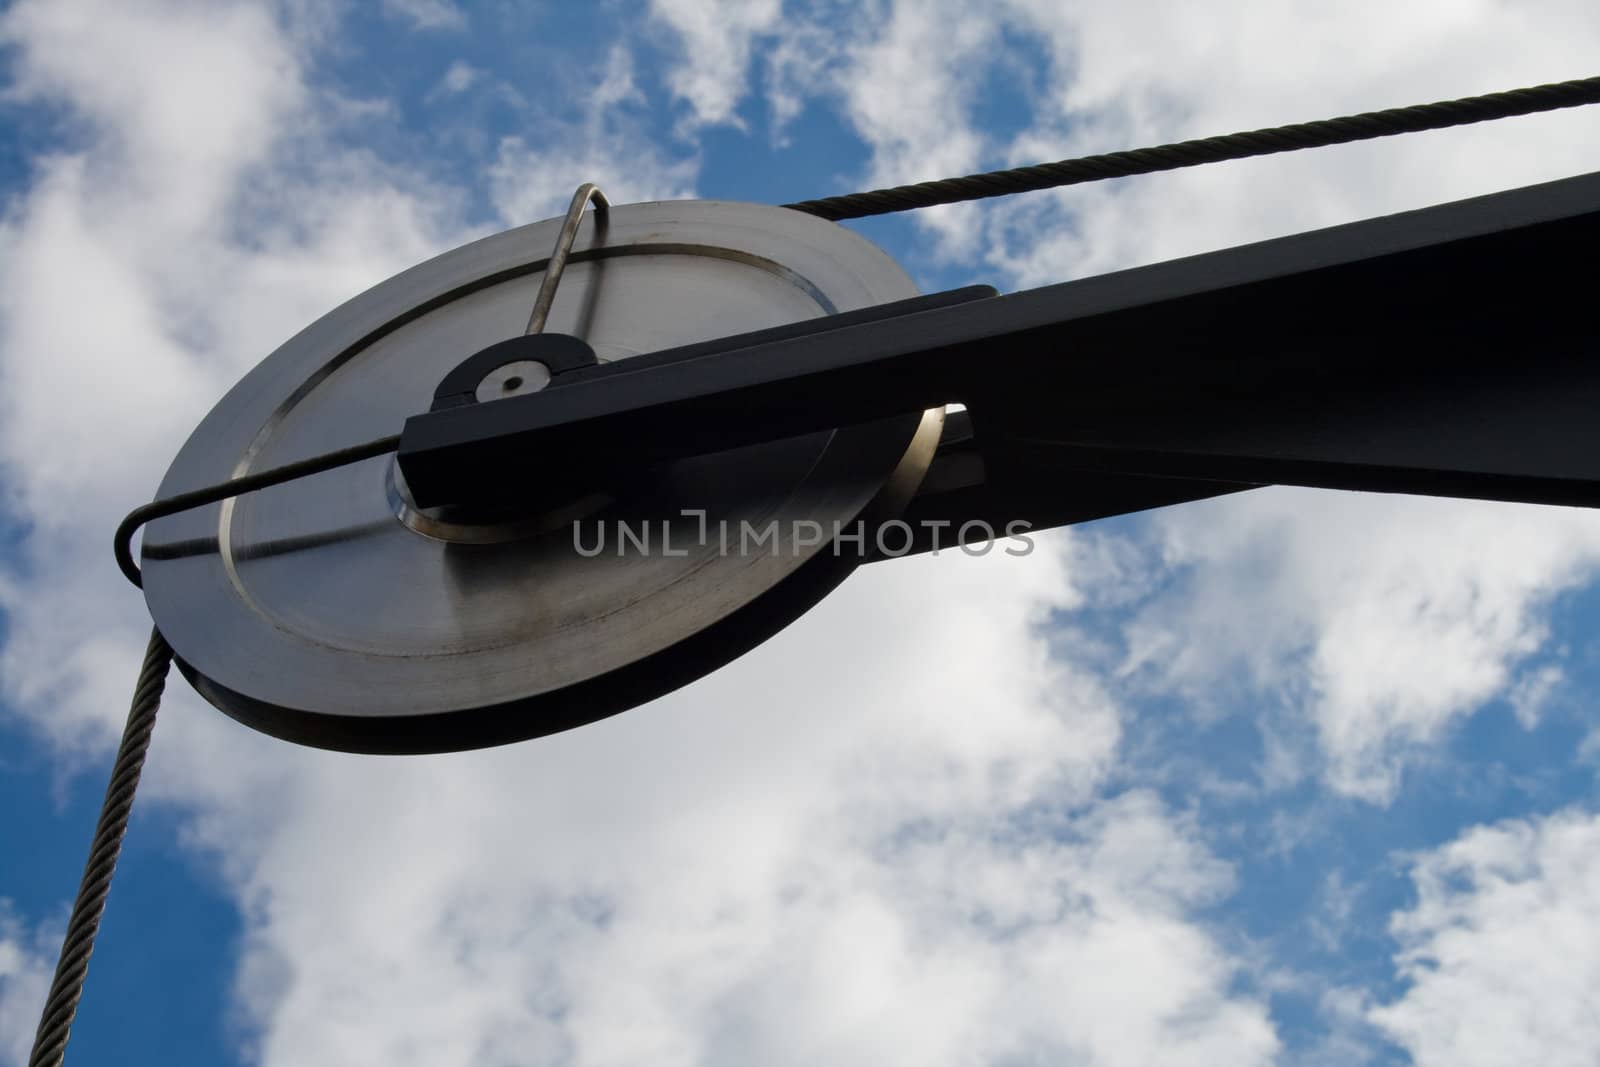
[730, 404]
[337, 611]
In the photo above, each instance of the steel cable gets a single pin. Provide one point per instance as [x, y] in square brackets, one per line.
[1320, 134]
[61, 1005]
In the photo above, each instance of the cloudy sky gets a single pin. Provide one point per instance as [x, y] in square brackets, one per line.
[1289, 777]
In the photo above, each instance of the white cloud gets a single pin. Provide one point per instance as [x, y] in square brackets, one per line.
[1589, 747]
[715, 38]
[144, 79]
[915, 81]
[778, 864]
[1498, 950]
[460, 77]
[906, 77]
[1135, 74]
[1534, 692]
[427, 14]
[909, 90]
[25, 972]
[534, 178]
[1386, 620]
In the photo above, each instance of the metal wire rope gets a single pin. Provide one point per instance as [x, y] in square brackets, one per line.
[1320, 134]
[72, 966]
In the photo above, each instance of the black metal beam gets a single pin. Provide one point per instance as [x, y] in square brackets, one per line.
[1452, 351]
[474, 452]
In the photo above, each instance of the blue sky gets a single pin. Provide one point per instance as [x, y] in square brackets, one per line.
[1285, 777]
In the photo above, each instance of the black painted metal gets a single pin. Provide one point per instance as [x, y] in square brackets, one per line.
[560, 353]
[1450, 351]
[447, 458]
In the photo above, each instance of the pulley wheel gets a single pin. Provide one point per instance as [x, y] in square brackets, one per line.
[332, 612]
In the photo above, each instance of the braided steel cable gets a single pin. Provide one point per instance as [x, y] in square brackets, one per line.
[72, 967]
[1323, 133]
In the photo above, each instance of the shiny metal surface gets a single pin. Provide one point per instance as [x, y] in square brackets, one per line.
[556, 266]
[321, 612]
[513, 379]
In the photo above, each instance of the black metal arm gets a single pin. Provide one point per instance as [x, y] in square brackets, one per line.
[1449, 351]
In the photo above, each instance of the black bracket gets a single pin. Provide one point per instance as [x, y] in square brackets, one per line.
[1450, 351]
[462, 452]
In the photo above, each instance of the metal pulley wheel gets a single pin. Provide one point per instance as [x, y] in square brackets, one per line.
[335, 612]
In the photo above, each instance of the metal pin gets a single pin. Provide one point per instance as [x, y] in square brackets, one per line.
[558, 258]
